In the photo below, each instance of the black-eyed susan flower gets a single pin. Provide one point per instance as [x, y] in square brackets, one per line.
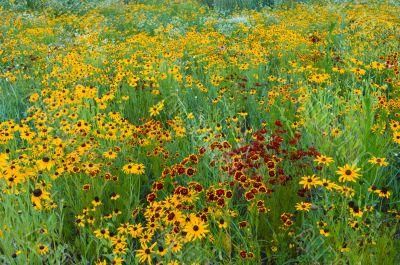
[383, 193]
[176, 247]
[45, 163]
[102, 233]
[114, 196]
[120, 249]
[144, 254]
[345, 247]
[396, 137]
[110, 154]
[195, 229]
[42, 249]
[15, 254]
[96, 201]
[323, 160]
[310, 181]
[348, 173]
[80, 220]
[134, 168]
[161, 251]
[303, 206]
[336, 132]
[327, 184]
[37, 196]
[380, 161]
[135, 230]
[222, 223]
[325, 232]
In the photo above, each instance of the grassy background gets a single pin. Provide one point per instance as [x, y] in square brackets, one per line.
[72, 37]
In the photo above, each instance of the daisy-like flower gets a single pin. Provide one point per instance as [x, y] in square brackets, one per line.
[325, 232]
[110, 154]
[303, 206]
[195, 229]
[80, 220]
[144, 254]
[161, 251]
[344, 248]
[383, 193]
[358, 71]
[43, 249]
[154, 111]
[310, 181]
[348, 173]
[346, 191]
[120, 249]
[378, 161]
[133, 168]
[222, 223]
[327, 184]
[336, 132]
[396, 137]
[45, 163]
[135, 230]
[37, 196]
[323, 160]
[102, 233]
[321, 223]
[356, 211]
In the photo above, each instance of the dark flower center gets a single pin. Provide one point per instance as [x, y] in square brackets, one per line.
[37, 192]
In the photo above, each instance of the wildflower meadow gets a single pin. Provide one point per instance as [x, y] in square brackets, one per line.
[199, 132]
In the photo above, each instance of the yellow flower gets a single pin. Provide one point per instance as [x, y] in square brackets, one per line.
[43, 249]
[324, 232]
[358, 71]
[348, 173]
[104, 262]
[102, 233]
[156, 109]
[135, 230]
[396, 137]
[45, 163]
[328, 184]
[144, 254]
[79, 220]
[336, 132]
[195, 229]
[378, 161]
[303, 206]
[324, 160]
[133, 168]
[310, 181]
[34, 97]
[37, 196]
[110, 154]
[190, 116]
[383, 193]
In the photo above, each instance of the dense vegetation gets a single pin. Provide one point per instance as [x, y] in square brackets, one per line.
[199, 132]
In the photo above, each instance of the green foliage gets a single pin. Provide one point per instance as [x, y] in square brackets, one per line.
[267, 61]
